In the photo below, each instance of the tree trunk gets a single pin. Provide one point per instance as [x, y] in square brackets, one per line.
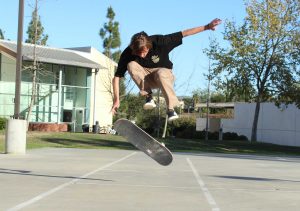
[33, 94]
[34, 76]
[255, 121]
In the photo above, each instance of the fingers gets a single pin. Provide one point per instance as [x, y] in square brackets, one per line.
[214, 23]
[114, 110]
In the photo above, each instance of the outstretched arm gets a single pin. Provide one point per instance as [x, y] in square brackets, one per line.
[211, 26]
[116, 87]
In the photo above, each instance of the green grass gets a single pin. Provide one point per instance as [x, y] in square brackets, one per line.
[231, 147]
[76, 140]
[71, 140]
[98, 141]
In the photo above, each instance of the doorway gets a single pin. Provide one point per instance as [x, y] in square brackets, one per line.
[79, 120]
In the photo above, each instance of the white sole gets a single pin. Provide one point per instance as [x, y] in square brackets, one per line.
[172, 118]
[149, 106]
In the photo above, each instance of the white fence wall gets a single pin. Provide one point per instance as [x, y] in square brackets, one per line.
[275, 125]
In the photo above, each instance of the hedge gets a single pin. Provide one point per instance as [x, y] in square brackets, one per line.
[2, 123]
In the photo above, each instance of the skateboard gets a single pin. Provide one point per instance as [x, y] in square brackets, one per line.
[143, 141]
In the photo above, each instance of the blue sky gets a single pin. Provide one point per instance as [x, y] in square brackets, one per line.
[74, 23]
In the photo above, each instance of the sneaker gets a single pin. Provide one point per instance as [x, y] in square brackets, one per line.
[172, 115]
[150, 104]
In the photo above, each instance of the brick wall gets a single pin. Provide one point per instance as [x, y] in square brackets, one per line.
[48, 127]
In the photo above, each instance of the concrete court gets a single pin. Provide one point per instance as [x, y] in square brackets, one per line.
[54, 179]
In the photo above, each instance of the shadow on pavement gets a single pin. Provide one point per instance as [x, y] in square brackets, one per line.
[255, 178]
[28, 173]
[91, 143]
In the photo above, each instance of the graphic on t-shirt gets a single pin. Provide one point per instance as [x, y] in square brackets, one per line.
[155, 59]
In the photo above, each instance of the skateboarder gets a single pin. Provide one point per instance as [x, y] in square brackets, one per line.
[147, 61]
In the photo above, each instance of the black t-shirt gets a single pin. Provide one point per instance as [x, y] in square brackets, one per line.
[158, 56]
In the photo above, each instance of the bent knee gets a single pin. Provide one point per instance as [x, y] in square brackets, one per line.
[132, 66]
[165, 73]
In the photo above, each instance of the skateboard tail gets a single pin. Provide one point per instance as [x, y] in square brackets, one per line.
[143, 141]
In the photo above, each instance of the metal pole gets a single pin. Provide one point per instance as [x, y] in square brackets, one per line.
[15, 137]
[158, 110]
[59, 95]
[19, 60]
[165, 127]
[95, 89]
[207, 103]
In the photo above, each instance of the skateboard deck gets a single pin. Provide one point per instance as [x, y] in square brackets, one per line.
[143, 141]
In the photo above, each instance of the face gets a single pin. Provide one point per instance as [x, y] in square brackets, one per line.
[143, 53]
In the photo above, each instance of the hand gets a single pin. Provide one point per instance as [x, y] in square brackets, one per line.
[115, 107]
[212, 25]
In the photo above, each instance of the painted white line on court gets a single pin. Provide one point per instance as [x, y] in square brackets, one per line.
[279, 158]
[203, 187]
[45, 194]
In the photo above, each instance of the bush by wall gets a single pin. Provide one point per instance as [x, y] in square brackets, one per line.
[184, 127]
[2, 123]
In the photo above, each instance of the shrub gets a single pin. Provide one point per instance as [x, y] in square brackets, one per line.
[184, 127]
[243, 138]
[2, 123]
[199, 134]
[234, 136]
[230, 136]
[213, 135]
[148, 122]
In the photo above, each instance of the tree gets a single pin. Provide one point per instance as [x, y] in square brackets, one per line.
[1, 34]
[236, 89]
[111, 40]
[111, 36]
[36, 37]
[263, 53]
[133, 107]
[35, 29]
[111, 43]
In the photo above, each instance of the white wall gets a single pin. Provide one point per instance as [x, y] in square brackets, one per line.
[275, 125]
[103, 90]
[213, 124]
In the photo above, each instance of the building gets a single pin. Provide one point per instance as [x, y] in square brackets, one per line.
[276, 125]
[73, 85]
[102, 96]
